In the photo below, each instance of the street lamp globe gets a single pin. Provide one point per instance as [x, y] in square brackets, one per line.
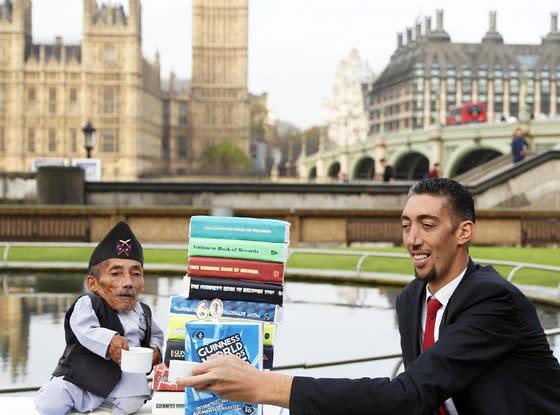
[88, 138]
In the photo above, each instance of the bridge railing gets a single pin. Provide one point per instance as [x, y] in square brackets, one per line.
[363, 255]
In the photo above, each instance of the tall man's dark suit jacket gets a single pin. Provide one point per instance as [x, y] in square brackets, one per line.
[492, 358]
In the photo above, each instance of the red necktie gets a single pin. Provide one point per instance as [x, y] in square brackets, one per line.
[433, 307]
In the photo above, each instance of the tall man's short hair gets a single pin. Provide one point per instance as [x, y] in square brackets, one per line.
[458, 196]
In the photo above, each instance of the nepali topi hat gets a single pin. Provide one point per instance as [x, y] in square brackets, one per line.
[120, 242]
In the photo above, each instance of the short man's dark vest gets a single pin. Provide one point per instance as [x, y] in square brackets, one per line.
[84, 368]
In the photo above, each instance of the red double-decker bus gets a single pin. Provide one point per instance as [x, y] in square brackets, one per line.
[466, 113]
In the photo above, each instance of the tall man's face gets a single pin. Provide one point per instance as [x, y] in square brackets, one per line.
[120, 283]
[435, 239]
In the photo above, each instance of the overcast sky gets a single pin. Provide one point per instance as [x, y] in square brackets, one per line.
[296, 45]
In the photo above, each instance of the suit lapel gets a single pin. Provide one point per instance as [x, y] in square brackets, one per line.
[416, 327]
[471, 267]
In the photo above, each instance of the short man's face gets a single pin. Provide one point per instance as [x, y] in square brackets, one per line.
[430, 237]
[120, 283]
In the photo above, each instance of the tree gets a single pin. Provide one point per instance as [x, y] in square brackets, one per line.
[225, 156]
[312, 139]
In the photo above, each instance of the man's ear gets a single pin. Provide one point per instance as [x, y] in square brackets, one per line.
[465, 232]
[91, 283]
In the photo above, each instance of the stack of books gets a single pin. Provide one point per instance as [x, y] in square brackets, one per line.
[235, 276]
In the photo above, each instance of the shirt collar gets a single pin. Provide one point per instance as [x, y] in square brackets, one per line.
[444, 293]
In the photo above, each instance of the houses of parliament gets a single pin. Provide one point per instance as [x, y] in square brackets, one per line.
[145, 126]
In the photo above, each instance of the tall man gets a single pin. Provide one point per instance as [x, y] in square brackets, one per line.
[480, 351]
[98, 326]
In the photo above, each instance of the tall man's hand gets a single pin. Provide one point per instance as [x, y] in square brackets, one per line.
[118, 343]
[235, 380]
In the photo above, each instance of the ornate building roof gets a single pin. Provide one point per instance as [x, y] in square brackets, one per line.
[434, 54]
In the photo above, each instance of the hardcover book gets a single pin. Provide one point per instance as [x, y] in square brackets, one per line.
[161, 381]
[168, 403]
[176, 330]
[205, 339]
[208, 309]
[243, 269]
[237, 248]
[228, 289]
[174, 350]
[252, 229]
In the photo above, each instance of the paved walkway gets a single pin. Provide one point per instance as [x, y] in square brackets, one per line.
[540, 295]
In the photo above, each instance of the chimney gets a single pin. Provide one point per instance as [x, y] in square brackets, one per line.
[58, 40]
[428, 25]
[418, 31]
[399, 40]
[492, 16]
[439, 25]
[492, 35]
[408, 35]
[553, 22]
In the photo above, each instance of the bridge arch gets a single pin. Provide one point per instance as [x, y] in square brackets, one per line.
[312, 173]
[412, 165]
[470, 158]
[364, 169]
[333, 170]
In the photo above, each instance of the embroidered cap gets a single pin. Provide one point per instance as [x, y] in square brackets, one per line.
[120, 242]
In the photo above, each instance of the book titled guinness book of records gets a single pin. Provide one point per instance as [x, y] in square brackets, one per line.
[243, 269]
[236, 248]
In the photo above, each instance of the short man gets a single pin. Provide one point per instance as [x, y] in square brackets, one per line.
[387, 171]
[490, 355]
[519, 146]
[97, 327]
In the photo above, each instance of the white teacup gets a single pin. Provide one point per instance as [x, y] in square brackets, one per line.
[180, 369]
[137, 359]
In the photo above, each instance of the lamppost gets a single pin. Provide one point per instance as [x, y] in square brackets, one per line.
[88, 138]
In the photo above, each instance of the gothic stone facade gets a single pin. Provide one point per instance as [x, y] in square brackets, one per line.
[220, 99]
[48, 92]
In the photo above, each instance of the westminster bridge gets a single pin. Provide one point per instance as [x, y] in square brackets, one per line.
[412, 154]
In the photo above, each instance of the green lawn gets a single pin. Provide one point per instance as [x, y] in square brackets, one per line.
[544, 256]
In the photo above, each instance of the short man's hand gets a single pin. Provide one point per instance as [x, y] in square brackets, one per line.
[118, 343]
[156, 358]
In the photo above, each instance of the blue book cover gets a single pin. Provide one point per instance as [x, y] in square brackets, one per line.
[205, 339]
[176, 327]
[214, 309]
[252, 229]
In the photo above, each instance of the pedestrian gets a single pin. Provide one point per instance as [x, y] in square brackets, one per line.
[519, 146]
[471, 341]
[434, 173]
[387, 171]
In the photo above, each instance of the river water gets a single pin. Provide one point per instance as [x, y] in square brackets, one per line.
[320, 323]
